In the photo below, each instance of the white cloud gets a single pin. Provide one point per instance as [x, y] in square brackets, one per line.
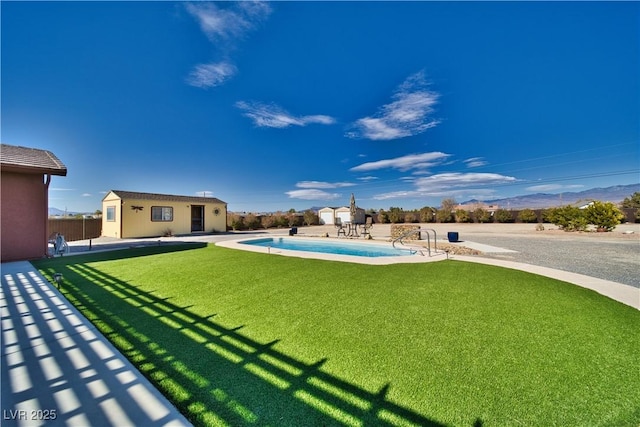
[553, 187]
[273, 116]
[451, 185]
[404, 163]
[223, 26]
[456, 179]
[475, 193]
[312, 194]
[475, 162]
[321, 184]
[409, 113]
[368, 178]
[229, 23]
[211, 75]
[86, 195]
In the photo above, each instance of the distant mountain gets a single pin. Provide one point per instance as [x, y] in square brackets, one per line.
[59, 212]
[613, 194]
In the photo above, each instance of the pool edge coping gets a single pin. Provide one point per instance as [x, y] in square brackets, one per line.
[382, 260]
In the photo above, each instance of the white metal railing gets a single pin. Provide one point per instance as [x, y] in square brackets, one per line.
[420, 250]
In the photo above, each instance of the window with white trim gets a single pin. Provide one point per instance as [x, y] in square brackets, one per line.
[161, 213]
[111, 213]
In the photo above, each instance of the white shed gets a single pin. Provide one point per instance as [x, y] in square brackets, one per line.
[327, 216]
[344, 213]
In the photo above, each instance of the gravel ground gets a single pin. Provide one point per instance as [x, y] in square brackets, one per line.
[618, 261]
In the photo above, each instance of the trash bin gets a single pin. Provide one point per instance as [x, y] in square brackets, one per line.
[452, 236]
[293, 231]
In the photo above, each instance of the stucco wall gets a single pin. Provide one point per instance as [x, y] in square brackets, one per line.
[23, 214]
[111, 228]
[137, 222]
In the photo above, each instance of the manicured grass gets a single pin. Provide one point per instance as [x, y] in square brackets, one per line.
[241, 338]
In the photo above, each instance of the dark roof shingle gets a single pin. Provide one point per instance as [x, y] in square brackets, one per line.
[164, 197]
[30, 160]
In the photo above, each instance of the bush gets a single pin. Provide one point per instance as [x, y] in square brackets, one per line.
[396, 215]
[383, 217]
[503, 215]
[410, 217]
[527, 216]
[235, 221]
[427, 214]
[267, 221]
[605, 216]
[482, 215]
[462, 216]
[444, 216]
[310, 217]
[632, 202]
[568, 218]
[251, 221]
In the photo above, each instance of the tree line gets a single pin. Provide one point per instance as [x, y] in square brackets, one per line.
[603, 215]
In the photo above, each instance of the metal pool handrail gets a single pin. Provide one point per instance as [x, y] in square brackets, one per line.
[419, 230]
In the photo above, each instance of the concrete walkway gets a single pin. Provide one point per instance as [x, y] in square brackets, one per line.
[58, 370]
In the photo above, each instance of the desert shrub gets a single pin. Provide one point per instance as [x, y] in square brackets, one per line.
[527, 215]
[462, 216]
[310, 217]
[280, 220]
[503, 215]
[427, 214]
[235, 221]
[482, 215]
[444, 215]
[267, 221]
[293, 219]
[568, 218]
[605, 216]
[251, 221]
[410, 217]
[632, 201]
[383, 217]
[396, 215]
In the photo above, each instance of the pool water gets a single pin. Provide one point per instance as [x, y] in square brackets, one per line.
[338, 248]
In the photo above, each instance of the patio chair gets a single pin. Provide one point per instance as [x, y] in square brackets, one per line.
[366, 226]
[340, 227]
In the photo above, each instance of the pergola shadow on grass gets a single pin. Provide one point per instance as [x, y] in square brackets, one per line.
[215, 375]
[240, 338]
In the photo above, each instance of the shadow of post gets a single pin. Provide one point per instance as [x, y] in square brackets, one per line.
[215, 374]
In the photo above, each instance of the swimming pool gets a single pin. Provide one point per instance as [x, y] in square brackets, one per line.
[329, 247]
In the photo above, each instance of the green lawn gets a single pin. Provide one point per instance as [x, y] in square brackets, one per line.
[242, 338]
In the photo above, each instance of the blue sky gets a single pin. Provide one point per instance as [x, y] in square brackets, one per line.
[272, 106]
